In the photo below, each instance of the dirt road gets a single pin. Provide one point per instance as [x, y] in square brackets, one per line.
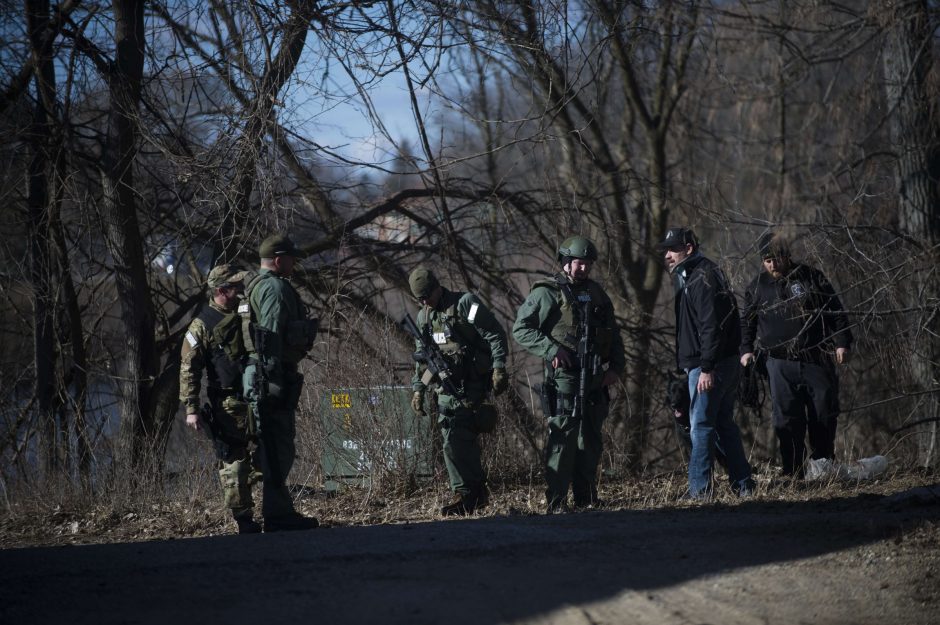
[863, 559]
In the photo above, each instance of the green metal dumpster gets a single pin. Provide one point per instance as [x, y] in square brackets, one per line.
[372, 433]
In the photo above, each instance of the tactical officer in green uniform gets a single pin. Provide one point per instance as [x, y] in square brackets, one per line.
[473, 344]
[277, 334]
[550, 324]
[212, 344]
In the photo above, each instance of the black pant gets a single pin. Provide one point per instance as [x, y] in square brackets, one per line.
[805, 398]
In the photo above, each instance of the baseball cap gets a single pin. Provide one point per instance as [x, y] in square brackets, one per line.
[278, 245]
[677, 237]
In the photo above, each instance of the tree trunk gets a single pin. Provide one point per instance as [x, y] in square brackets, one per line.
[38, 202]
[907, 59]
[137, 375]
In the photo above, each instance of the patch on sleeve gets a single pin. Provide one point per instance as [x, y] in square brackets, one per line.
[193, 342]
[473, 312]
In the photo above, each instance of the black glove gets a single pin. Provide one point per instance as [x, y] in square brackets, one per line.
[567, 359]
[500, 381]
[417, 403]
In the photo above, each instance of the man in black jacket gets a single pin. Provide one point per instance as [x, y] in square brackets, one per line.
[794, 316]
[707, 335]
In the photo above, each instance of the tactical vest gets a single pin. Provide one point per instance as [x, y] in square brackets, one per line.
[298, 335]
[226, 349]
[466, 352]
[571, 298]
[247, 315]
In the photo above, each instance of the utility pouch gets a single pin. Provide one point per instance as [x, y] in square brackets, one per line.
[485, 419]
[302, 333]
[549, 397]
[292, 396]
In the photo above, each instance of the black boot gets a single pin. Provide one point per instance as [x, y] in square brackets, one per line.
[246, 524]
[290, 523]
[482, 494]
[461, 505]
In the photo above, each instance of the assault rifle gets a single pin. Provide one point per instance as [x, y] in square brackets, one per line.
[259, 383]
[430, 356]
[588, 362]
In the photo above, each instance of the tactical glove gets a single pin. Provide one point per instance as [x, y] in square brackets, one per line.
[417, 403]
[566, 358]
[500, 381]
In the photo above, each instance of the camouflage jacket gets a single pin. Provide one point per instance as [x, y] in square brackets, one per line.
[195, 357]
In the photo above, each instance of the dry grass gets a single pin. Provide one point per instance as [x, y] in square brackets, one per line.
[196, 511]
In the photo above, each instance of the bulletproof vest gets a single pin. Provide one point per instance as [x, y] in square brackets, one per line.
[298, 335]
[457, 339]
[226, 349]
[247, 315]
[572, 299]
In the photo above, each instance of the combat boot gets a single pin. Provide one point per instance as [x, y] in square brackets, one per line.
[557, 505]
[246, 524]
[461, 505]
[482, 496]
[290, 523]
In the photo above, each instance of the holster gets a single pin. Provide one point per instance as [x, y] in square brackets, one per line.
[485, 418]
[549, 397]
[219, 443]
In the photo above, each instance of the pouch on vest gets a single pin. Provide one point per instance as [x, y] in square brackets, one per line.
[226, 351]
[302, 333]
[227, 334]
[485, 418]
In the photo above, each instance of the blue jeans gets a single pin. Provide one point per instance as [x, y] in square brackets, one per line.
[711, 415]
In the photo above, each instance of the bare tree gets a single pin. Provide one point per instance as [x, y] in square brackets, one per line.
[908, 58]
[41, 175]
[140, 366]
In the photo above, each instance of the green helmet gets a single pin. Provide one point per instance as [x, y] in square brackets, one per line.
[577, 247]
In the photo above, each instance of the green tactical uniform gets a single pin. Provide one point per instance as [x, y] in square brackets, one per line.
[473, 343]
[230, 412]
[548, 320]
[275, 310]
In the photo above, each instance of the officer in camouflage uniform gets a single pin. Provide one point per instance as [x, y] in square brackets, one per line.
[278, 334]
[548, 325]
[474, 345]
[228, 423]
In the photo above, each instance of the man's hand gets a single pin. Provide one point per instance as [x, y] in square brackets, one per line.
[500, 381]
[843, 355]
[610, 378]
[705, 382]
[194, 421]
[417, 403]
[747, 359]
[564, 358]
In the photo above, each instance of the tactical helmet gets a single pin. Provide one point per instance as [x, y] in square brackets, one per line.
[577, 247]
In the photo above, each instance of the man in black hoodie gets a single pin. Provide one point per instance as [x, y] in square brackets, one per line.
[708, 332]
[794, 316]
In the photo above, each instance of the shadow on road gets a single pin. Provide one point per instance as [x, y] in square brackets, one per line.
[481, 570]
